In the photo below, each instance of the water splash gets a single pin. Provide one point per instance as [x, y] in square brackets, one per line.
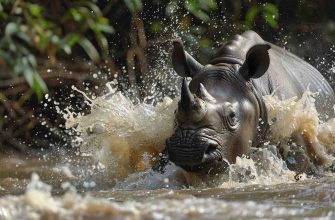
[126, 138]
[38, 203]
[298, 120]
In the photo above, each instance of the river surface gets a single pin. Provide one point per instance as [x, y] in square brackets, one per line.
[25, 196]
[109, 177]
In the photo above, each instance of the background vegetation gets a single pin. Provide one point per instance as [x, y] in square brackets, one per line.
[48, 46]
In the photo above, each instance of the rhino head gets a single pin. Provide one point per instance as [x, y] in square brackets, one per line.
[218, 112]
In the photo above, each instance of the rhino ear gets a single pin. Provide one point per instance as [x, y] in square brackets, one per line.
[183, 63]
[257, 62]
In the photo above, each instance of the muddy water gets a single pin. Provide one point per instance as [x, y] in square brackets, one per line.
[110, 177]
[25, 196]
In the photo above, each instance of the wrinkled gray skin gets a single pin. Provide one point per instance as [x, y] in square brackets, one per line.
[221, 113]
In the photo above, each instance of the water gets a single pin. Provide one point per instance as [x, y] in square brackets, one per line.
[110, 177]
[309, 198]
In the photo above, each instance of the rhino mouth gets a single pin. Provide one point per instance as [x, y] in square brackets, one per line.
[195, 151]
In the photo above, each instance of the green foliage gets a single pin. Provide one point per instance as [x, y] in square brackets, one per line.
[134, 5]
[85, 16]
[33, 28]
[156, 26]
[268, 11]
[199, 8]
[43, 29]
[15, 52]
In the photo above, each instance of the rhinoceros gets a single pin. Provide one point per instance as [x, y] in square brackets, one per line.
[221, 113]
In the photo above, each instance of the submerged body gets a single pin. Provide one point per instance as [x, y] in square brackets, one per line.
[221, 113]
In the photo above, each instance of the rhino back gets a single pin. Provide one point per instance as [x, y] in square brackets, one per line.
[287, 76]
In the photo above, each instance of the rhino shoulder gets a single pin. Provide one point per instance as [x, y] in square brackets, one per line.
[235, 50]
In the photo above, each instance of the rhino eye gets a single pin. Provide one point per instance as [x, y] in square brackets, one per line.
[229, 116]
[232, 115]
[232, 120]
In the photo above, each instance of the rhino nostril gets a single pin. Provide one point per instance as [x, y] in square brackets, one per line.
[211, 148]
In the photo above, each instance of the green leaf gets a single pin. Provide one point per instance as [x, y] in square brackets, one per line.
[39, 86]
[193, 7]
[94, 8]
[205, 42]
[27, 71]
[102, 40]
[138, 5]
[156, 26]
[105, 28]
[43, 23]
[103, 20]
[271, 9]
[35, 10]
[75, 14]
[252, 13]
[43, 41]
[201, 15]
[11, 28]
[66, 49]
[212, 4]
[270, 19]
[72, 39]
[134, 5]
[89, 48]
[207, 4]
[27, 66]
[32, 60]
[24, 37]
[271, 15]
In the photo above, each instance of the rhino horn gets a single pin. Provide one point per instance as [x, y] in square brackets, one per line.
[187, 98]
[204, 94]
[190, 108]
